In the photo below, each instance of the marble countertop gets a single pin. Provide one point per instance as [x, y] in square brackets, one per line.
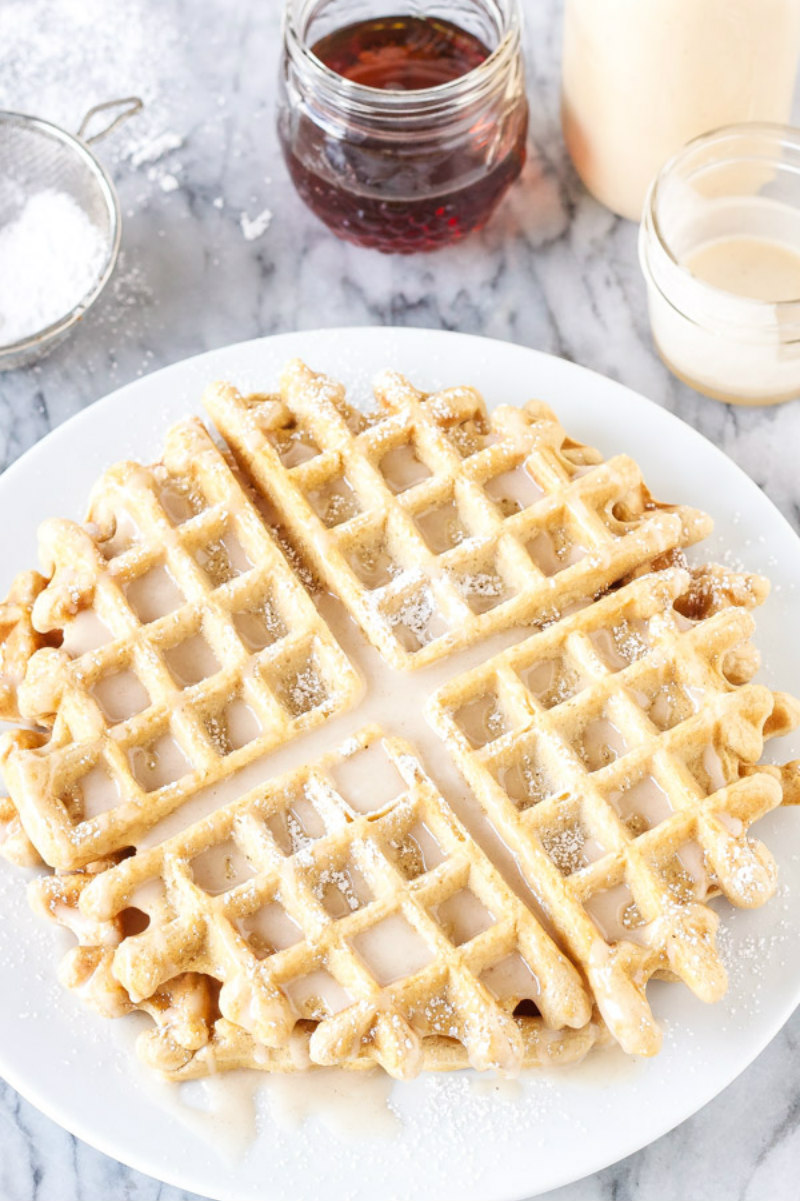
[199, 174]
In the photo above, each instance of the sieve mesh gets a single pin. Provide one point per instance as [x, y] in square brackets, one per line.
[35, 156]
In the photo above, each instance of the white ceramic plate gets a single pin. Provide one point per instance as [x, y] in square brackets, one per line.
[455, 1137]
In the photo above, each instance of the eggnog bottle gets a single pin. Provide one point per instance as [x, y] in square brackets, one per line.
[643, 77]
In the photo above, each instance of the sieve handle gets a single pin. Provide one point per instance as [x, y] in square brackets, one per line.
[127, 107]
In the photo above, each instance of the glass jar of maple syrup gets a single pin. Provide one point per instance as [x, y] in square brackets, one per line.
[402, 131]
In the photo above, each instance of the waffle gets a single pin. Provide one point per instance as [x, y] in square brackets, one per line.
[15, 846]
[614, 751]
[190, 1038]
[18, 639]
[344, 895]
[18, 642]
[230, 1047]
[437, 524]
[340, 913]
[188, 649]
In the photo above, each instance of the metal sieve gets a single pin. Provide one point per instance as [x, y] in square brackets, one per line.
[35, 155]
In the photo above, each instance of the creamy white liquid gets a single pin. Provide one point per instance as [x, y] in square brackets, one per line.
[269, 929]
[602, 743]
[500, 1088]
[191, 661]
[605, 1067]
[614, 913]
[727, 323]
[482, 720]
[154, 595]
[219, 1109]
[441, 527]
[623, 645]
[402, 469]
[642, 806]
[757, 268]
[317, 995]
[180, 500]
[220, 868]
[514, 490]
[121, 695]
[462, 917]
[714, 768]
[228, 1109]
[99, 792]
[643, 77]
[352, 1105]
[553, 552]
[241, 724]
[511, 977]
[368, 780]
[392, 949]
[159, 764]
[85, 633]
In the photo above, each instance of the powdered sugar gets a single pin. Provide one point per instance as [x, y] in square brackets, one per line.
[103, 51]
[418, 619]
[255, 227]
[305, 690]
[51, 255]
[565, 848]
[150, 150]
[744, 956]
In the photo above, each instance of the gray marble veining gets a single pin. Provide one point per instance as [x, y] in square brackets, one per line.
[553, 270]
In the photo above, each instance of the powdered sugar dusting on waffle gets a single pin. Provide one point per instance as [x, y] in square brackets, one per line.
[462, 552]
[501, 514]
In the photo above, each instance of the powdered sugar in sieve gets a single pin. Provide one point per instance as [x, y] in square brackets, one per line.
[59, 229]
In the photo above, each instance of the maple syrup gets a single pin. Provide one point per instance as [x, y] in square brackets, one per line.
[403, 132]
[401, 53]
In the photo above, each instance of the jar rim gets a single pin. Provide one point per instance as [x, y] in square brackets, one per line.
[410, 100]
[780, 136]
